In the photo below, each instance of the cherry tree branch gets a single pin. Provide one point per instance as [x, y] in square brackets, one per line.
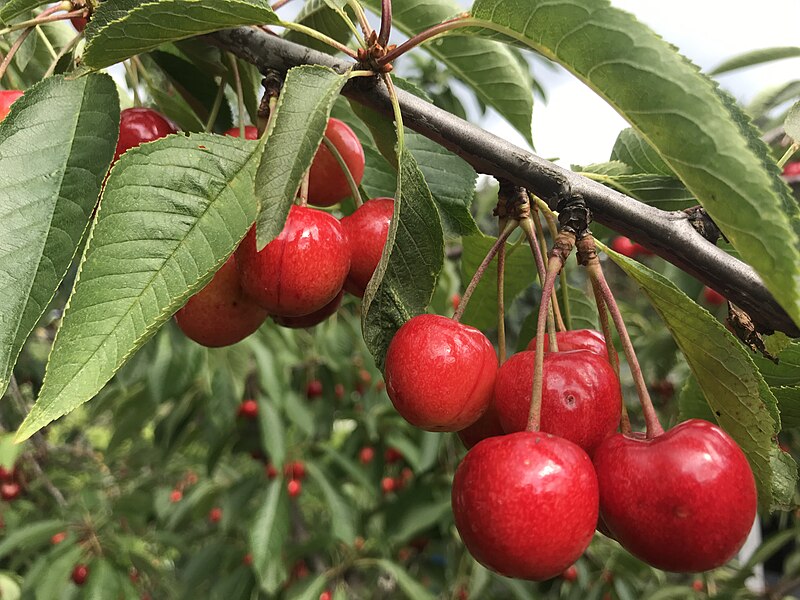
[668, 234]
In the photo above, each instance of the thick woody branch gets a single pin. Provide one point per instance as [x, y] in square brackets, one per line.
[668, 234]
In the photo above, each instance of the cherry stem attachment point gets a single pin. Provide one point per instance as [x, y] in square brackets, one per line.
[386, 22]
[462, 20]
[476, 278]
[562, 247]
[351, 183]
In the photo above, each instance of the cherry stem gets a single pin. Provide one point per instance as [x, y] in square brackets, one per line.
[476, 278]
[562, 247]
[279, 4]
[789, 153]
[602, 313]
[501, 305]
[351, 183]
[386, 22]
[46, 16]
[540, 236]
[239, 93]
[597, 278]
[320, 37]
[62, 53]
[552, 226]
[13, 50]
[212, 115]
[528, 227]
[361, 16]
[462, 20]
[304, 189]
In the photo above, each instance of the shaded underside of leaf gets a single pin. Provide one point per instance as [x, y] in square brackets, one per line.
[741, 401]
[697, 130]
[55, 147]
[172, 212]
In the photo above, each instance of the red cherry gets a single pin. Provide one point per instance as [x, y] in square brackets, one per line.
[79, 23]
[247, 559]
[455, 300]
[80, 574]
[338, 391]
[624, 246]
[570, 573]
[683, 501]
[366, 455]
[7, 474]
[220, 314]
[525, 504]
[392, 455]
[250, 132]
[215, 515]
[302, 269]
[326, 595]
[314, 389]
[295, 470]
[140, 125]
[488, 425]
[366, 229]
[7, 98]
[327, 184]
[133, 575]
[294, 488]
[248, 410]
[581, 398]
[299, 570]
[792, 168]
[462, 593]
[57, 538]
[388, 485]
[440, 374]
[314, 318]
[271, 471]
[10, 490]
[576, 339]
[639, 249]
[175, 496]
[713, 297]
[697, 585]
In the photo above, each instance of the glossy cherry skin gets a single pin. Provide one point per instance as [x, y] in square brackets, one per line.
[327, 184]
[79, 23]
[80, 574]
[525, 504]
[683, 501]
[487, 425]
[302, 269]
[314, 318]
[10, 490]
[7, 98]
[713, 297]
[250, 132]
[220, 314]
[792, 168]
[624, 246]
[367, 229]
[581, 398]
[440, 374]
[576, 339]
[140, 125]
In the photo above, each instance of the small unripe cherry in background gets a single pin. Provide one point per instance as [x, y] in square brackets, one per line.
[140, 125]
[327, 184]
[440, 374]
[7, 98]
[220, 314]
[713, 297]
[314, 389]
[80, 574]
[248, 409]
[215, 515]
[302, 269]
[250, 132]
[366, 229]
[294, 487]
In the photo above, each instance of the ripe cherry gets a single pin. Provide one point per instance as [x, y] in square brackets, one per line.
[140, 125]
[488, 425]
[10, 490]
[792, 168]
[392, 455]
[388, 485]
[79, 23]
[366, 455]
[80, 574]
[248, 409]
[576, 339]
[581, 398]
[175, 496]
[624, 246]
[713, 297]
[57, 538]
[215, 515]
[250, 132]
[220, 314]
[7, 98]
[525, 504]
[295, 470]
[326, 595]
[7, 474]
[440, 374]
[366, 229]
[314, 318]
[271, 471]
[682, 501]
[339, 391]
[327, 184]
[294, 487]
[302, 269]
[314, 389]
[247, 559]
[570, 573]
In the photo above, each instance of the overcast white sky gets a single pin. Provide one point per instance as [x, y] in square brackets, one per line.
[578, 127]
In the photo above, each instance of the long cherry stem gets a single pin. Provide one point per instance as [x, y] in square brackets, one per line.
[386, 22]
[540, 236]
[528, 227]
[462, 20]
[362, 17]
[501, 303]
[561, 249]
[351, 183]
[476, 278]
[13, 50]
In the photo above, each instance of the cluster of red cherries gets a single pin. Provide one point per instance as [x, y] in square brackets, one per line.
[527, 503]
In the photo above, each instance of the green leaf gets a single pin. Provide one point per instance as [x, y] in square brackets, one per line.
[786, 372]
[405, 278]
[270, 425]
[309, 589]
[755, 57]
[631, 149]
[301, 116]
[342, 517]
[666, 193]
[55, 147]
[268, 534]
[317, 15]
[792, 123]
[491, 70]
[53, 579]
[520, 272]
[734, 389]
[16, 8]
[789, 404]
[9, 451]
[123, 28]
[103, 581]
[408, 585]
[697, 130]
[172, 213]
